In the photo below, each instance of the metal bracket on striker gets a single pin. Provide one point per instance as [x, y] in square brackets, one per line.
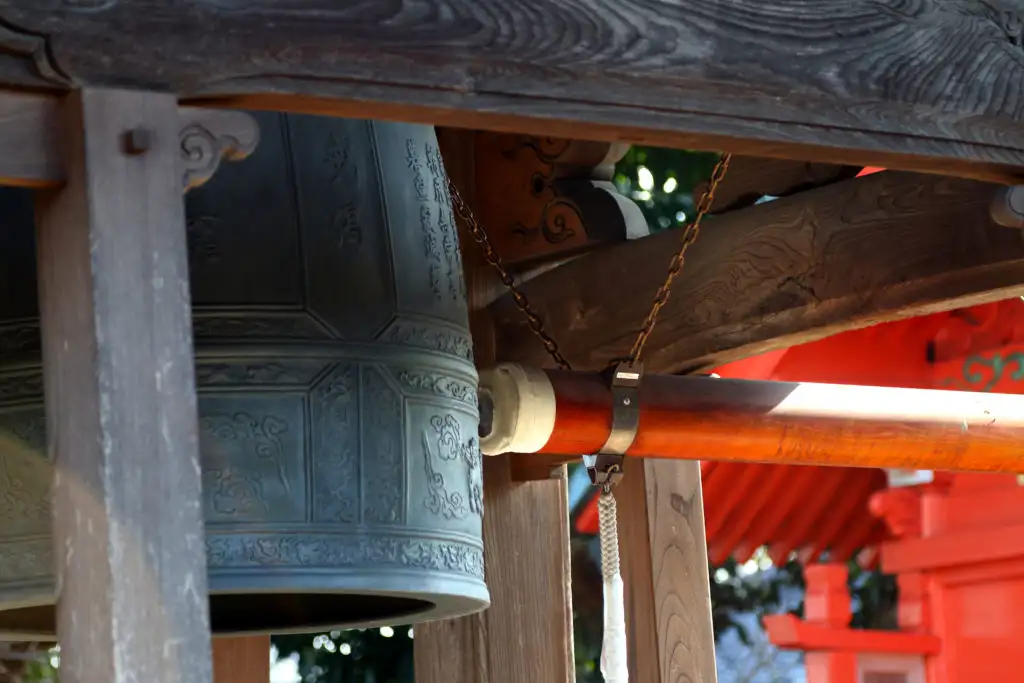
[605, 466]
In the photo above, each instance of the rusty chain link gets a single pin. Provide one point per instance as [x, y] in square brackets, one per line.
[689, 236]
[481, 238]
[690, 233]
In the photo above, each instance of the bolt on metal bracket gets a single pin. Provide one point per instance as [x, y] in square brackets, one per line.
[605, 466]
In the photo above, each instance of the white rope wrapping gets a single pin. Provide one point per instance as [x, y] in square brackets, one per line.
[613, 647]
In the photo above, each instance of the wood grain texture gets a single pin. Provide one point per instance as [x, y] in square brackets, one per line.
[911, 84]
[526, 634]
[544, 199]
[241, 660]
[120, 399]
[665, 569]
[732, 420]
[750, 178]
[883, 247]
[29, 131]
[32, 155]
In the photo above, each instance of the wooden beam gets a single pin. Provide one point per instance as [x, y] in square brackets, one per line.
[32, 154]
[927, 86]
[526, 634]
[750, 178]
[883, 247]
[132, 599]
[664, 557]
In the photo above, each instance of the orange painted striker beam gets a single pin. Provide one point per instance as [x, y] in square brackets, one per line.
[703, 418]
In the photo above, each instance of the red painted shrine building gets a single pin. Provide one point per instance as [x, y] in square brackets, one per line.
[955, 542]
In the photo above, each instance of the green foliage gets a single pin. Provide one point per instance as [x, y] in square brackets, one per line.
[353, 656]
[875, 597]
[661, 182]
[735, 591]
[39, 671]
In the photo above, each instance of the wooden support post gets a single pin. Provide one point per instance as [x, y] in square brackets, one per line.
[664, 558]
[526, 634]
[241, 660]
[120, 397]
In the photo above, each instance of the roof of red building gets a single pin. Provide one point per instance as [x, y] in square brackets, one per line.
[788, 508]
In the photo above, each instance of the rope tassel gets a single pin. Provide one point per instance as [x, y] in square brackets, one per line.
[614, 667]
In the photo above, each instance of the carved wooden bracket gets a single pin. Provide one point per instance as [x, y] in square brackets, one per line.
[32, 156]
[546, 198]
[208, 136]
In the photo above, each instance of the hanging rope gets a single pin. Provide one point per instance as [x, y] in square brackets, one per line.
[614, 667]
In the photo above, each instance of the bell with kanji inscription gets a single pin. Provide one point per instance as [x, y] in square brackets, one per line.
[338, 417]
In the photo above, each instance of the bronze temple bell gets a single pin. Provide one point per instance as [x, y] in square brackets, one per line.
[337, 393]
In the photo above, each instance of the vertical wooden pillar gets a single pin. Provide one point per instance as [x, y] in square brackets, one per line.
[526, 634]
[241, 660]
[120, 397]
[664, 559]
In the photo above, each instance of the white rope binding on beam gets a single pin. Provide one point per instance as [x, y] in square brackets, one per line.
[614, 668]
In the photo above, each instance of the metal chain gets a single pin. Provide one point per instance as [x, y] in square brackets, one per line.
[536, 324]
[660, 299]
[689, 237]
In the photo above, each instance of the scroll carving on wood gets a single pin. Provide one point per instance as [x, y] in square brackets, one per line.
[32, 154]
[545, 198]
[33, 49]
[208, 136]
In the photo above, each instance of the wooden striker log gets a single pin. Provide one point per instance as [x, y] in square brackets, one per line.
[705, 418]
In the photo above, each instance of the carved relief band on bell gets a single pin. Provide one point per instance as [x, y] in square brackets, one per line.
[439, 385]
[260, 373]
[432, 338]
[335, 418]
[24, 559]
[18, 386]
[28, 426]
[383, 429]
[19, 338]
[25, 474]
[250, 466]
[340, 551]
[452, 504]
[264, 324]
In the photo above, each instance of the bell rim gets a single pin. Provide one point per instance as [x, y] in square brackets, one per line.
[473, 598]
